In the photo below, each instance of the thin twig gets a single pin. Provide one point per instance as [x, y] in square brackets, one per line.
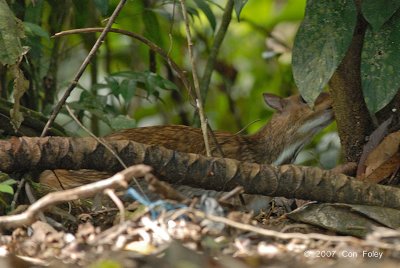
[272, 233]
[106, 145]
[32, 200]
[83, 67]
[17, 193]
[101, 141]
[199, 102]
[236, 191]
[215, 141]
[219, 37]
[147, 42]
[85, 191]
[117, 202]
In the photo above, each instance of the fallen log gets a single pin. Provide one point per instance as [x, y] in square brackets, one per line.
[221, 174]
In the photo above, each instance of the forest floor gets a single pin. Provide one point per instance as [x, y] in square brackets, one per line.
[199, 232]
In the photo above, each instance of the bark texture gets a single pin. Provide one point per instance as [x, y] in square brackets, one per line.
[221, 174]
[352, 116]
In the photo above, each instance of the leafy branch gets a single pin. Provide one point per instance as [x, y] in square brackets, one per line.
[82, 68]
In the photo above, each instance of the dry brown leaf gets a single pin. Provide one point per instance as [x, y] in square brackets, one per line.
[385, 170]
[384, 159]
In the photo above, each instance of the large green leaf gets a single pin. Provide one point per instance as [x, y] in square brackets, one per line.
[377, 12]
[380, 64]
[11, 30]
[321, 43]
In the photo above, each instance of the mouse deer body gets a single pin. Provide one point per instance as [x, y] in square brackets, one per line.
[278, 142]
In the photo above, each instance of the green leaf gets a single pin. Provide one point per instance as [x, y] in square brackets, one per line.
[82, 13]
[208, 12]
[89, 100]
[121, 122]
[321, 43]
[10, 34]
[151, 27]
[377, 12]
[9, 182]
[239, 4]
[150, 81]
[5, 188]
[113, 85]
[127, 89]
[95, 104]
[380, 64]
[35, 30]
[192, 12]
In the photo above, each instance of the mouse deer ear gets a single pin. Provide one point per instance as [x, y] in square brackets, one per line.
[274, 101]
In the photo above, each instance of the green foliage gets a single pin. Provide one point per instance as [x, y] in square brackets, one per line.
[108, 98]
[6, 188]
[150, 82]
[379, 12]
[11, 53]
[32, 29]
[11, 32]
[239, 4]
[321, 43]
[106, 263]
[121, 87]
[102, 6]
[151, 26]
[380, 66]
[325, 35]
[203, 6]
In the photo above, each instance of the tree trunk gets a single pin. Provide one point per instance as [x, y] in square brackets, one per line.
[352, 116]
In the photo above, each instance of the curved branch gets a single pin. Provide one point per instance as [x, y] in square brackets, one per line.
[88, 190]
[145, 41]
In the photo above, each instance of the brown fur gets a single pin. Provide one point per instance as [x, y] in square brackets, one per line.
[263, 147]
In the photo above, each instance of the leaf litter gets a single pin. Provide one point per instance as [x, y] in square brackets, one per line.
[196, 232]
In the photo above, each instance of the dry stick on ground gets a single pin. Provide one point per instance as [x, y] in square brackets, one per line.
[220, 174]
[199, 101]
[83, 67]
[290, 236]
[117, 202]
[118, 180]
